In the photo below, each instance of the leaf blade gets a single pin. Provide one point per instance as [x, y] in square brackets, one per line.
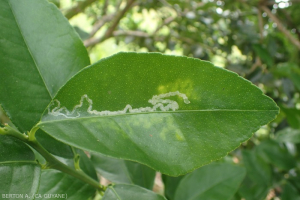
[214, 181]
[19, 178]
[56, 182]
[133, 192]
[201, 99]
[31, 69]
[122, 171]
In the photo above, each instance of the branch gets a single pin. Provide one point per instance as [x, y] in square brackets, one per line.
[166, 22]
[104, 9]
[294, 40]
[109, 32]
[142, 34]
[131, 33]
[100, 23]
[290, 21]
[260, 24]
[80, 7]
[116, 21]
[52, 162]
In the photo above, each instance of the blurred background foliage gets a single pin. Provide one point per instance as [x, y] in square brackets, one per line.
[258, 39]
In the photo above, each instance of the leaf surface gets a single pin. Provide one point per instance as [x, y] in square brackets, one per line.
[174, 114]
[132, 192]
[12, 149]
[123, 171]
[19, 178]
[39, 52]
[290, 192]
[288, 135]
[215, 181]
[171, 184]
[258, 180]
[19, 173]
[272, 152]
[53, 146]
[56, 182]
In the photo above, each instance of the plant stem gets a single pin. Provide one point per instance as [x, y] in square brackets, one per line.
[52, 162]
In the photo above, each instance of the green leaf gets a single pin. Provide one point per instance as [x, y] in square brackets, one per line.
[257, 169]
[19, 173]
[288, 135]
[207, 111]
[257, 183]
[12, 149]
[122, 171]
[171, 184]
[85, 163]
[132, 192]
[39, 52]
[290, 70]
[272, 152]
[55, 182]
[53, 146]
[290, 192]
[19, 178]
[263, 54]
[292, 116]
[214, 181]
[251, 190]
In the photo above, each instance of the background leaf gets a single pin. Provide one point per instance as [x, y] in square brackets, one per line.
[288, 135]
[19, 178]
[41, 51]
[171, 184]
[12, 149]
[258, 180]
[272, 152]
[132, 192]
[215, 181]
[19, 173]
[56, 182]
[53, 146]
[122, 171]
[163, 140]
[292, 116]
[290, 192]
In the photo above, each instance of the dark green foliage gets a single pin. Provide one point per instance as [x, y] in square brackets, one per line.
[43, 62]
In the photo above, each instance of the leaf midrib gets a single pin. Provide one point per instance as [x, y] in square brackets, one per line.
[18, 162]
[33, 58]
[168, 112]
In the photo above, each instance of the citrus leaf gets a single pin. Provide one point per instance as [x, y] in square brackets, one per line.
[290, 192]
[19, 178]
[53, 146]
[257, 169]
[174, 114]
[39, 52]
[258, 180]
[214, 181]
[55, 182]
[288, 135]
[171, 184]
[123, 171]
[19, 173]
[12, 149]
[132, 192]
[272, 152]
